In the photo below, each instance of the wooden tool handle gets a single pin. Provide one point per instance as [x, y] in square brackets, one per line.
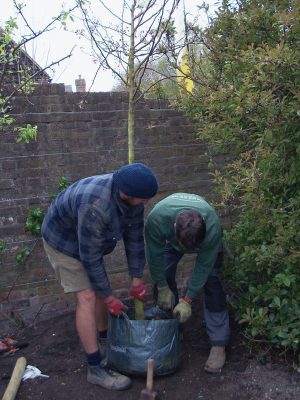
[15, 380]
[149, 384]
[139, 309]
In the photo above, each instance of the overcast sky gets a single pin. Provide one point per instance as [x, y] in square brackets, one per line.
[56, 44]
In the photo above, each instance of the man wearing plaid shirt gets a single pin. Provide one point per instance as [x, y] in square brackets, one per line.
[83, 224]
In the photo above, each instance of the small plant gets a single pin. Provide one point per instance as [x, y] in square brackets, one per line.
[26, 134]
[22, 255]
[3, 247]
[34, 221]
[62, 185]
[5, 120]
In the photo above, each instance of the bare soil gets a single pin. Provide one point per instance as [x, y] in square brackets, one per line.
[54, 348]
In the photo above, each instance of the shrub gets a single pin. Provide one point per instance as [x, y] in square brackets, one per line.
[247, 105]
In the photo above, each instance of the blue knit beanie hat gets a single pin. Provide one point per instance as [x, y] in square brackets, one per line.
[136, 180]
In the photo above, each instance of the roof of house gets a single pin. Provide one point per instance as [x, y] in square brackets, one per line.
[24, 59]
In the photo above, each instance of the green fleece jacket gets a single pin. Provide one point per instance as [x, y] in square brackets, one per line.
[159, 229]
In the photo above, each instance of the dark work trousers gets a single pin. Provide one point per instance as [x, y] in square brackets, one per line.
[215, 308]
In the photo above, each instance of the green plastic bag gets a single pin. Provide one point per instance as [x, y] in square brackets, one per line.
[132, 342]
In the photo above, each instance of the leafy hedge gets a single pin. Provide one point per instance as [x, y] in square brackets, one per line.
[247, 104]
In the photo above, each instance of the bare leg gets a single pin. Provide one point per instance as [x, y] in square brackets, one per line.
[87, 331]
[101, 314]
[86, 321]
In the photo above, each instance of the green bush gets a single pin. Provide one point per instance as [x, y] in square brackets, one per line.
[265, 278]
[247, 105]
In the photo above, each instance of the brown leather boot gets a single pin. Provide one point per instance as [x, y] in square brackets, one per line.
[216, 359]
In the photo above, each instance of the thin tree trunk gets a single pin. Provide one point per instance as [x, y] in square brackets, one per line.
[131, 87]
[131, 112]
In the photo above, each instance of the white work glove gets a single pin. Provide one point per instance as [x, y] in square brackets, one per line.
[183, 310]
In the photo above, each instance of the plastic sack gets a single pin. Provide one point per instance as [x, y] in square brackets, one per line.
[132, 342]
[32, 372]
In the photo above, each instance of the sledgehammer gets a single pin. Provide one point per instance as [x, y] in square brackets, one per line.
[148, 394]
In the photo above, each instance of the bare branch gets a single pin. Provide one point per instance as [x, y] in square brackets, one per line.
[25, 40]
[131, 43]
[19, 8]
[31, 77]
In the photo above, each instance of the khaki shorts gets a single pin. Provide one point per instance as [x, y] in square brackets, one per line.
[69, 271]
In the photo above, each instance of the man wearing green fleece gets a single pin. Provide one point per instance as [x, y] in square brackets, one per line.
[185, 223]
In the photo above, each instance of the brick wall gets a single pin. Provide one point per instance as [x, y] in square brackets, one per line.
[82, 135]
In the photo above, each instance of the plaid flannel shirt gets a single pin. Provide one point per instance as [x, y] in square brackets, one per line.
[86, 220]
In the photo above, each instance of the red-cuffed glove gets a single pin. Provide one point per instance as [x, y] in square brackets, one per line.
[114, 305]
[138, 291]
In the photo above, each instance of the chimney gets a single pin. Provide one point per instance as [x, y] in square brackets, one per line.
[80, 84]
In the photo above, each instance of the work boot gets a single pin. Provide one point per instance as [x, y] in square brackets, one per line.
[107, 378]
[216, 359]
